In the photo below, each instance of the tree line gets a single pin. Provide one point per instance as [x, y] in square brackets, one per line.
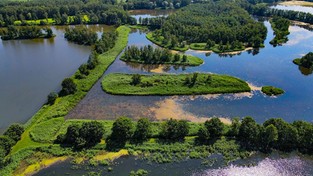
[152, 23]
[64, 12]
[264, 10]
[274, 133]
[149, 4]
[305, 61]
[220, 22]
[25, 32]
[151, 55]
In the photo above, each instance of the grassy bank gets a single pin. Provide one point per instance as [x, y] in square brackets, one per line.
[158, 41]
[38, 123]
[120, 84]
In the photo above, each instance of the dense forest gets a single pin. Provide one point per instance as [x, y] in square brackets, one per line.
[25, 32]
[281, 30]
[64, 12]
[218, 22]
[81, 35]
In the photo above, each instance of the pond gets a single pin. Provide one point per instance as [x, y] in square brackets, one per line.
[31, 69]
[268, 66]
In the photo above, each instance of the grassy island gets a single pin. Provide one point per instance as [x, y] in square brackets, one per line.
[150, 55]
[171, 84]
[272, 91]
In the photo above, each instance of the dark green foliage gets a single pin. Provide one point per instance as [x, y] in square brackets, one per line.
[6, 143]
[213, 22]
[143, 130]
[106, 42]
[2, 155]
[85, 136]
[280, 27]
[92, 60]
[52, 97]
[269, 135]
[215, 127]
[14, 132]
[305, 136]
[287, 134]
[136, 79]
[147, 54]
[203, 135]
[306, 61]
[270, 90]
[249, 132]
[122, 131]
[81, 35]
[150, 4]
[174, 130]
[26, 32]
[83, 69]
[234, 128]
[68, 87]
[64, 12]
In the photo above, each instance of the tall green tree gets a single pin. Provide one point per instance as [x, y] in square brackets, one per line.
[143, 130]
[68, 87]
[249, 132]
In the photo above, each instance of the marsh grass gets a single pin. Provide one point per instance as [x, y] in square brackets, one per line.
[172, 84]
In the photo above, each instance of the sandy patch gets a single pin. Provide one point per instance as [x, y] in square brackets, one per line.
[169, 108]
[296, 3]
[160, 69]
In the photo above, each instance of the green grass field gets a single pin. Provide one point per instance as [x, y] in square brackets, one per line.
[171, 84]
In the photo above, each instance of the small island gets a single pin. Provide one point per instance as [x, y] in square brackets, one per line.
[150, 55]
[172, 84]
[306, 61]
[272, 91]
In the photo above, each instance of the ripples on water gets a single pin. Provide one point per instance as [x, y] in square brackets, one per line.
[267, 167]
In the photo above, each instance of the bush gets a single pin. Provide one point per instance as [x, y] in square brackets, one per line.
[68, 87]
[143, 130]
[136, 79]
[14, 132]
[52, 97]
[6, 143]
[174, 130]
[83, 69]
[122, 131]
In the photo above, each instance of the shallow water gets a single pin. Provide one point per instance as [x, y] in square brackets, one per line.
[31, 69]
[258, 165]
[270, 66]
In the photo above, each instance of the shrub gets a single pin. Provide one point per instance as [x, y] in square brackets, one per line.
[14, 132]
[68, 87]
[83, 69]
[52, 97]
[174, 130]
[136, 79]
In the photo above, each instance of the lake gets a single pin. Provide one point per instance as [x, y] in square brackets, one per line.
[31, 69]
[294, 8]
[268, 66]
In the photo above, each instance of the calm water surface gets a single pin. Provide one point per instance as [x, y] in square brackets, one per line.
[31, 69]
[258, 165]
[271, 66]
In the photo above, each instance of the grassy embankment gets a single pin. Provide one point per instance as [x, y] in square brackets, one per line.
[52, 116]
[272, 91]
[120, 84]
[191, 61]
[193, 46]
